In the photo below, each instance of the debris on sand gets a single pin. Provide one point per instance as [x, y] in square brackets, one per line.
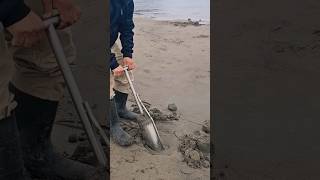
[84, 154]
[203, 145]
[187, 23]
[201, 36]
[133, 130]
[206, 127]
[194, 155]
[157, 114]
[195, 149]
[172, 107]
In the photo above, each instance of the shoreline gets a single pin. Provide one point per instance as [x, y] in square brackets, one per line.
[142, 16]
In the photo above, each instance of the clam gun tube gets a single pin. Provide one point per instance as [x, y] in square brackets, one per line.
[149, 129]
[82, 107]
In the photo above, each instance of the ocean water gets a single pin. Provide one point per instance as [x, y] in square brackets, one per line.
[174, 9]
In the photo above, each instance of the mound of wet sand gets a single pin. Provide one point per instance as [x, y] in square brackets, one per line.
[195, 149]
[157, 114]
[187, 23]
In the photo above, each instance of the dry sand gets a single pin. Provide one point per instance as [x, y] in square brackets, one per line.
[173, 67]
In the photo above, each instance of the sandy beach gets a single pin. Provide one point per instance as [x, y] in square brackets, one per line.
[173, 67]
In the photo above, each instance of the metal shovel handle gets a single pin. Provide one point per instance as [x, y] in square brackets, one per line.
[132, 89]
[153, 123]
[140, 103]
[73, 89]
[96, 124]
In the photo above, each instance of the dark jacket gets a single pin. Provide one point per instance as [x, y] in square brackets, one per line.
[121, 22]
[12, 11]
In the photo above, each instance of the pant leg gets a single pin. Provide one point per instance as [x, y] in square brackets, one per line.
[37, 72]
[11, 162]
[6, 71]
[121, 82]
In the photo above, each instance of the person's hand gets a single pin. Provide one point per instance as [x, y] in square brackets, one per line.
[118, 71]
[28, 31]
[129, 63]
[68, 11]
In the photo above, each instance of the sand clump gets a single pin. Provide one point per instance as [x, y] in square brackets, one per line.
[189, 22]
[172, 107]
[206, 127]
[159, 115]
[195, 149]
[84, 153]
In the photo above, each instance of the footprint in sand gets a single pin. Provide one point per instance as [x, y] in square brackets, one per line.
[147, 71]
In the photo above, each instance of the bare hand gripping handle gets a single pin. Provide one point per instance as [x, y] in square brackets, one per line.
[84, 113]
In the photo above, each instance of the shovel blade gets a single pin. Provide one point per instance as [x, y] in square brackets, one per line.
[149, 134]
[151, 139]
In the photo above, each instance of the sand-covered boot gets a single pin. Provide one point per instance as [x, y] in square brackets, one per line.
[35, 118]
[121, 102]
[117, 133]
[11, 163]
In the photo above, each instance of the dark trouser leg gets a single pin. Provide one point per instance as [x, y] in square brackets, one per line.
[11, 163]
[35, 118]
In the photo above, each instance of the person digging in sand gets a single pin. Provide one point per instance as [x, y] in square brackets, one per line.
[121, 22]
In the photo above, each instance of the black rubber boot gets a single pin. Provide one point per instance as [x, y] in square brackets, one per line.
[11, 163]
[117, 133]
[121, 101]
[35, 118]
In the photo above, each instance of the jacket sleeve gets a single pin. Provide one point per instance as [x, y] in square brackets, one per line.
[126, 30]
[113, 62]
[12, 11]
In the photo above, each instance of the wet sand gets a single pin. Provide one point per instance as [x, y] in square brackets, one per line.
[266, 97]
[173, 67]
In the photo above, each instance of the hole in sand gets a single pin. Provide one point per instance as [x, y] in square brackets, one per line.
[169, 143]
